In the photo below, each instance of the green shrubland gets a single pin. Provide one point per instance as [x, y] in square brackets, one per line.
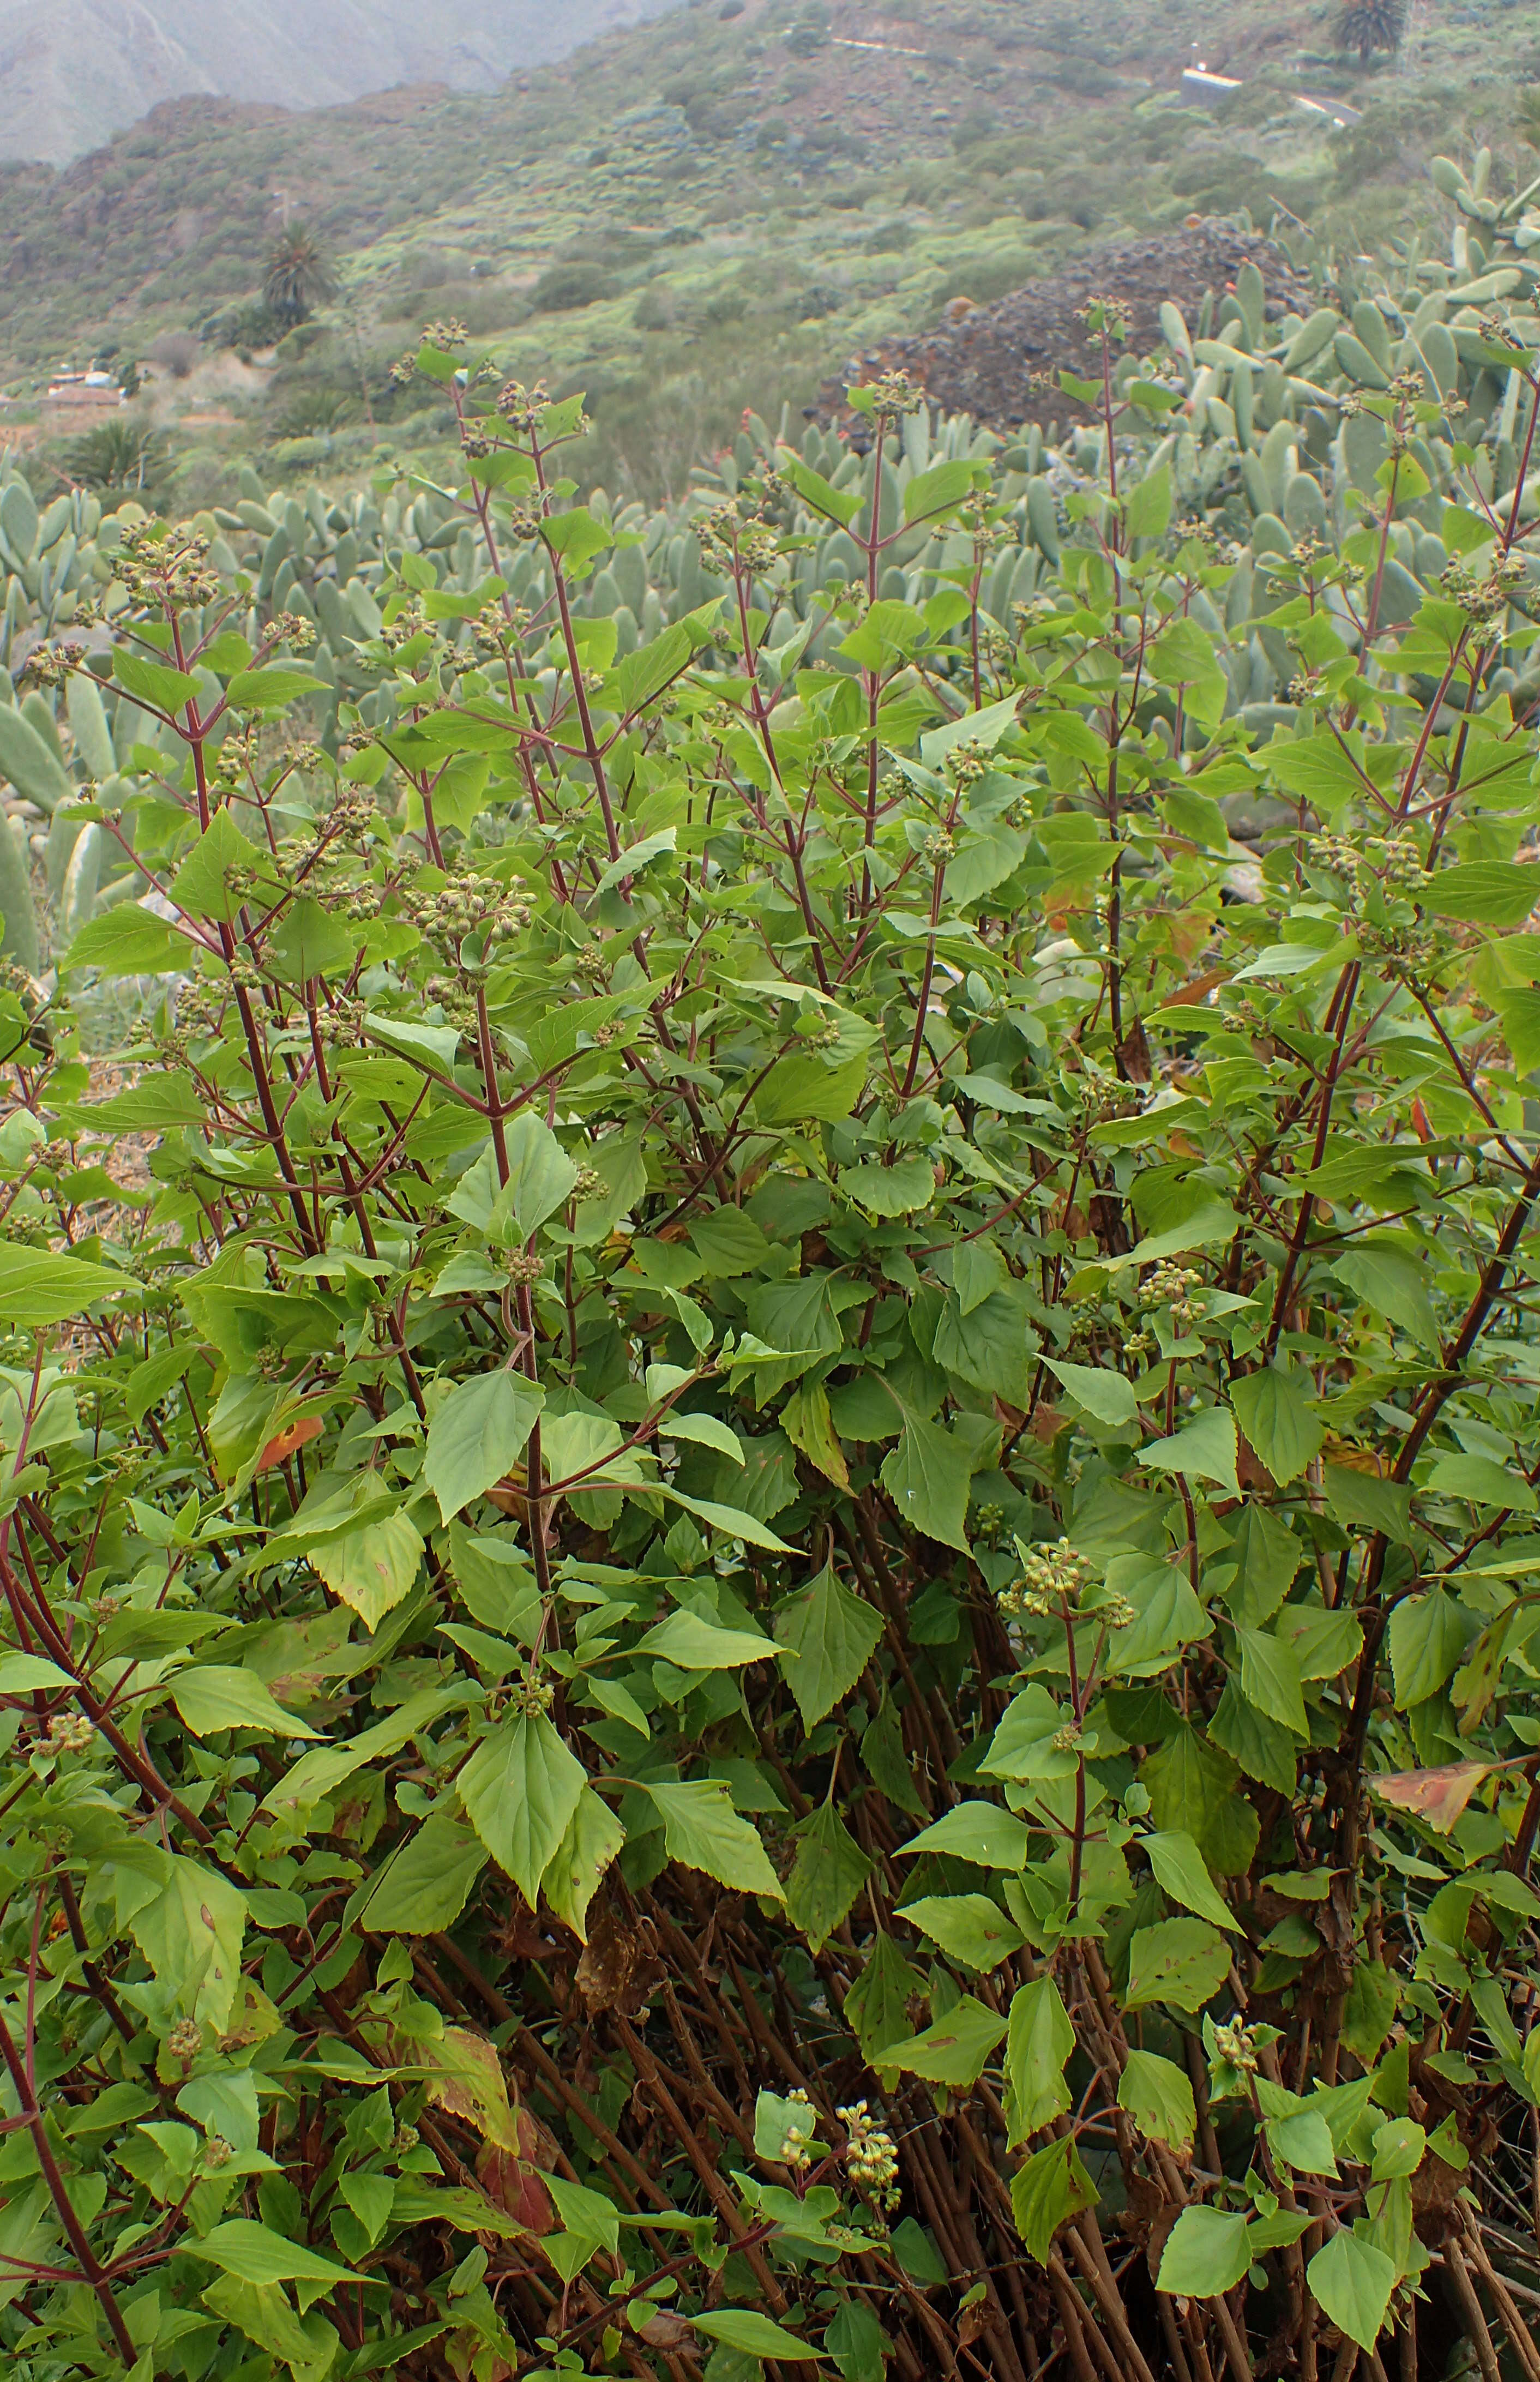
[698, 215]
[772, 1609]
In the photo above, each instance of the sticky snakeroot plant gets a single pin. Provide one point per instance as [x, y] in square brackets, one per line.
[776, 1606]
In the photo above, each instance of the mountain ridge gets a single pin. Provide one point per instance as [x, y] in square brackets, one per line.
[74, 72]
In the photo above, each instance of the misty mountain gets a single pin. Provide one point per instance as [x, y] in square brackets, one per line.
[72, 72]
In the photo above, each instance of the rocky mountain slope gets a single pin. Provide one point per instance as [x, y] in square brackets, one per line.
[73, 72]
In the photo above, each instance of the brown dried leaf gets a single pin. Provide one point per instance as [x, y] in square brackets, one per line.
[1437, 1796]
[1197, 988]
[467, 2080]
[516, 2185]
[1133, 1052]
[295, 1434]
[618, 1967]
[663, 2329]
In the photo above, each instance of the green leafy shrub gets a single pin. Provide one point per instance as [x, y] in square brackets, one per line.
[562, 287]
[774, 1602]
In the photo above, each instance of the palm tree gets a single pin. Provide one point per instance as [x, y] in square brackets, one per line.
[299, 275]
[121, 458]
[1366, 25]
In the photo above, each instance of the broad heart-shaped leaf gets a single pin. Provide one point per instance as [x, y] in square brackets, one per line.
[479, 1430]
[1302, 2141]
[1168, 1615]
[520, 1788]
[1484, 892]
[594, 1836]
[1274, 1412]
[218, 1696]
[540, 1176]
[1206, 2252]
[1266, 1752]
[827, 1875]
[423, 1886]
[1324, 1643]
[692, 1643]
[1393, 1284]
[1038, 2040]
[1023, 1747]
[192, 1933]
[981, 1833]
[841, 504]
[703, 1831]
[1048, 2189]
[37, 1289]
[1157, 2094]
[257, 2254]
[319, 1773]
[1428, 1637]
[129, 942]
[1192, 1786]
[1106, 1395]
[887, 1763]
[372, 1568]
[1149, 506]
[969, 1928]
[756, 2334]
[956, 2050]
[1267, 1555]
[1483, 1481]
[827, 1635]
[1181, 1961]
[944, 486]
[585, 2212]
[1182, 1876]
[1270, 1679]
[927, 1476]
[808, 1424]
[200, 885]
[1204, 1449]
[22, 1675]
[272, 689]
[877, 2004]
[153, 682]
[1353, 2282]
[1437, 1796]
[895, 1190]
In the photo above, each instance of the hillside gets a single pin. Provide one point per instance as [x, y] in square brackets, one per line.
[713, 209]
[73, 72]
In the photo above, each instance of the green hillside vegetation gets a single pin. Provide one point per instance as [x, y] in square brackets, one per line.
[703, 214]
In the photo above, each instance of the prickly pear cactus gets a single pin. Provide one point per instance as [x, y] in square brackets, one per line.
[1276, 439]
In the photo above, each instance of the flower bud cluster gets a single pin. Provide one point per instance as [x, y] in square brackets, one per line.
[1484, 600]
[525, 408]
[1170, 1286]
[796, 2144]
[295, 628]
[870, 2156]
[70, 1733]
[966, 765]
[51, 665]
[166, 568]
[895, 395]
[1051, 1578]
[466, 904]
[1236, 2042]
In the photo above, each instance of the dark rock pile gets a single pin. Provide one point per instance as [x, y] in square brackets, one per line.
[982, 360]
